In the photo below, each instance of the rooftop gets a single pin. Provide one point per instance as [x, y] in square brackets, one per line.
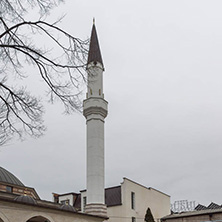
[212, 208]
[24, 200]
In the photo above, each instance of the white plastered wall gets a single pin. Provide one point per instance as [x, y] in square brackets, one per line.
[158, 202]
[66, 197]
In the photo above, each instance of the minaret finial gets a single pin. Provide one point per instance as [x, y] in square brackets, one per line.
[93, 20]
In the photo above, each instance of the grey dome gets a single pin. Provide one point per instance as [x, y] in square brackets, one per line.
[25, 199]
[67, 207]
[7, 177]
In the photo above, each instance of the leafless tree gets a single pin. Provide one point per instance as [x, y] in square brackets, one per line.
[61, 67]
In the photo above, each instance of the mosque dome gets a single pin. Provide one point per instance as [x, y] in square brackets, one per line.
[7, 177]
[25, 199]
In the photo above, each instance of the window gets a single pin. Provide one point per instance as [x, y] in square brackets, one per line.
[133, 219]
[84, 203]
[133, 200]
[9, 189]
[65, 202]
[56, 199]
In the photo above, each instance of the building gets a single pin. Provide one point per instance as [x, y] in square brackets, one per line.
[19, 203]
[213, 212]
[195, 216]
[130, 200]
[125, 203]
[11, 184]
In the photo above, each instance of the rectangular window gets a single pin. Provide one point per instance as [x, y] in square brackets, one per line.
[133, 219]
[9, 189]
[133, 200]
[65, 202]
[56, 199]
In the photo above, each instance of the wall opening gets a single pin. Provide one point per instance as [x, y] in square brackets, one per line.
[38, 219]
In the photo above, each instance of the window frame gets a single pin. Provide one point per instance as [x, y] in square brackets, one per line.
[9, 189]
[84, 203]
[65, 202]
[133, 200]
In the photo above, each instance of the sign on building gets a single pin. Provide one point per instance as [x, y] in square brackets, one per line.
[183, 205]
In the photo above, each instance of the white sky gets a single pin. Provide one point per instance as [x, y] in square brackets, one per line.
[163, 82]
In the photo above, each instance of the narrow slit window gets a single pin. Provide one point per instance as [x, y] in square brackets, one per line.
[84, 203]
[133, 200]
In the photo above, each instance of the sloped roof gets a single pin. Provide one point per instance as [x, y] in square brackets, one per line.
[214, 206]
[25, 199]
[77, 203]
[211, 206]
[113, 196]
[200, 207]
[7, 177]
[67, 207]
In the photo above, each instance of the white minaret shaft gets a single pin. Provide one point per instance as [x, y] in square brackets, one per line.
[95, 111]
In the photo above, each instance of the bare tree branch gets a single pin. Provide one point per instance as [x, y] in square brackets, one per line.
[62, 67]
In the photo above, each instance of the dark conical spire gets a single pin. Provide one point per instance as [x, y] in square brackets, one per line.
[94, 54]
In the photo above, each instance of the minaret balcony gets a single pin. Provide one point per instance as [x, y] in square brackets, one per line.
[95, 106]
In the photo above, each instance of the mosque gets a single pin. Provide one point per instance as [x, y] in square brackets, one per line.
[126, 202]
[19, 203]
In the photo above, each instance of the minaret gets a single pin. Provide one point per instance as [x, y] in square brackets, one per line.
[95, 111]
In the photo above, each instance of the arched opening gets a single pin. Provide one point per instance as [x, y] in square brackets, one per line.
[38, 219]
[1, 220]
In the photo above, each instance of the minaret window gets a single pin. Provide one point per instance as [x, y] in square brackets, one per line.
[133, 219]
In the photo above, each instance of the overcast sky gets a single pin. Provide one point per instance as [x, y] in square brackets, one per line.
[163, 82]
